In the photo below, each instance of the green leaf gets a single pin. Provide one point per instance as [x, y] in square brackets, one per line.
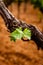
[18, 34]
[27, 33]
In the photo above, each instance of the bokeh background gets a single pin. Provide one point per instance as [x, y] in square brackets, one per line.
[20, 52]
[30, 11]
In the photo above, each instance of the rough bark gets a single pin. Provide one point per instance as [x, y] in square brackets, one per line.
[12, 23]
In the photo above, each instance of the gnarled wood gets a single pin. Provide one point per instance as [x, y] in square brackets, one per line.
[12, 23]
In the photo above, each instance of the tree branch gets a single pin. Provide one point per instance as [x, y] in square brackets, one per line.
[12, 23]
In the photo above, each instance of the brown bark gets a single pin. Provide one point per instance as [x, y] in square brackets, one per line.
[12, 23]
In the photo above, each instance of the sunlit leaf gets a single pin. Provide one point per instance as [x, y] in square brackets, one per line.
[27, 33]
[19, 34]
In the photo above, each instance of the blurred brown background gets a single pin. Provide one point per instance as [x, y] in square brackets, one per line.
[27, 13]
[19, 52]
